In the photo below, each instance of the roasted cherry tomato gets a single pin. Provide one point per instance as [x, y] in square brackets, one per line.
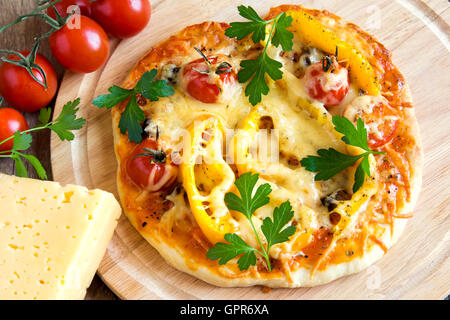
[327, 82]
[204, 81]
[379, 117]
[84, 49]
[63, 6]
[148, 172]
[122, 18]
[21, 91]
[11, 121]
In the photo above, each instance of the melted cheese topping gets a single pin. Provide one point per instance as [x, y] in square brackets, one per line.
[173, 115]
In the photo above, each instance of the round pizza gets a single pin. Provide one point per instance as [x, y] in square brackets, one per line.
[280, 151]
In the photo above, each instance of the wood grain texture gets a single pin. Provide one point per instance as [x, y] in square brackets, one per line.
[416, 267]
[21, 37]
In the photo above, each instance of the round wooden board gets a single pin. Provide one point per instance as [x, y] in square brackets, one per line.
[418, 266]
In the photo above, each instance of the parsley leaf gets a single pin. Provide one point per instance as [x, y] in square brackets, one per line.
[44, 115]
[151, 89]
[282, 36]
[355, 136]
[330, 161]
[36, 165]
[133, 114]
[21, 141]
[130, 120]
[250, 14]
[225, 252]
[256, 70]
[255, 26]
[359, 178]
[21, 170]
[116, 95]
[66, 122]
[247, 204]
[272, 229]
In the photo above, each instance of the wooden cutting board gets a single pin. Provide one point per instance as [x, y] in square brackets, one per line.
[418, 266]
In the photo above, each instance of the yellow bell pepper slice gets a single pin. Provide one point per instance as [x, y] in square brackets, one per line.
[207, 177]
[315, 34]
[349, 209]
[359, 198]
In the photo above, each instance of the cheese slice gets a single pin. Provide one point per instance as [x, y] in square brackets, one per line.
[52, 238]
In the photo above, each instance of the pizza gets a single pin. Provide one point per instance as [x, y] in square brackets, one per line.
[281, 152]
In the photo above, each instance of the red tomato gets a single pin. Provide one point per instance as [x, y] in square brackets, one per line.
[62, 8]
[380, 118]
[148, 174]
[329, 87]
[122, 18]
[11, 121]
[21, 91]
[84, 49]
[201, 82]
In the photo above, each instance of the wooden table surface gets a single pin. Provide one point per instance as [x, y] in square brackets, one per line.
[20, 37]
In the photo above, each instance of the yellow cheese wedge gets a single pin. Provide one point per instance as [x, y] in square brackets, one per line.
[52, 238]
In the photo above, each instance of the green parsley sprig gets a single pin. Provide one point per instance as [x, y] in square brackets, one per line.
[247, 204]
[256, 70]
[133, 115]
[66, 122]
[330, 161]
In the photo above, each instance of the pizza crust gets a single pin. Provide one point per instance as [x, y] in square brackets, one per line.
[211, 35]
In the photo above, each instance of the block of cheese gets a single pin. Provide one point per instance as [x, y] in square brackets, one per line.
[52, 238]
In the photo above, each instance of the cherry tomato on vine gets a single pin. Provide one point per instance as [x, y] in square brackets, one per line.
[21, 91]
[84, 49]
[11, 121]
[148, 173]
[205, 85]
[122, 18]
[62, 8]
[329, 87]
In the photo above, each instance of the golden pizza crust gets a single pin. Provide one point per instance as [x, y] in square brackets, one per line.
[211, 35]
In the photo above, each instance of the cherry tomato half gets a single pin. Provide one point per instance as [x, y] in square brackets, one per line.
[203, 82]
[379, 117]
[122, 18]
[147, 174]
[329, 87]
[62, 8]
[84, 49]
[11, 121]
[21, 91]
